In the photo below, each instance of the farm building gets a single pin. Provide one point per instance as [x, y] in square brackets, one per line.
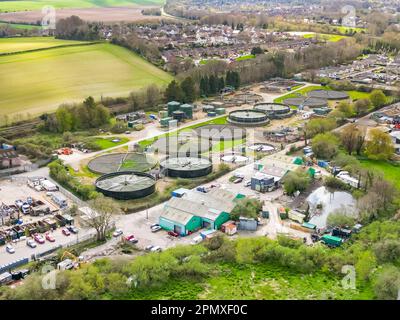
[196, 210]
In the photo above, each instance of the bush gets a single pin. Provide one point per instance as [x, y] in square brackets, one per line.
[325, 145]
[249, 208]
[296, 181]
[60, 174]
[335, 183]
[387, 284]
[340, 220]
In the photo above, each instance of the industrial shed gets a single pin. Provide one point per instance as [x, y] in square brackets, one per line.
[196, 210]
[181, 222]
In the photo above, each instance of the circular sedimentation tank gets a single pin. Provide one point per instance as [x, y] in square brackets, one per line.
[220, 132]
[126, 185]
[234, 158]
[262, 147]
[248, 118]
[114, 162]
[306, 102]
[274, 110]
[185, 144]
[328, 94]
[186, 167]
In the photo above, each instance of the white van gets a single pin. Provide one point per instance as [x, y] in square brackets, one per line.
[196, 240]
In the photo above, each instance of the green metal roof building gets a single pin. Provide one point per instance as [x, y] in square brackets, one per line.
[179, 221]
[197, 210]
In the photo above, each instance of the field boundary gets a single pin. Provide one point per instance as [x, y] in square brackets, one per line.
[50, 48]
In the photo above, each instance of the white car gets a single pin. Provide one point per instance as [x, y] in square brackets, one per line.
[247, 183]
[156, 249]
[196, 240]
[149, 247]
[117, 233]
[10, 248]
[31, 243]
[155, 228]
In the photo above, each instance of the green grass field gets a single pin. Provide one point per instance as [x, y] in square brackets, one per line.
[22, 5]
[325, 36]
[390, 171]
[40, 81]
[8, 45]
[246, 57]
[343, 29]
[18, 26]
[303, 91]
[354, 95]
[105, 143]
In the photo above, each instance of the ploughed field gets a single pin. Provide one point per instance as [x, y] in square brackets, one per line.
[39, 81]
[109, 14]
[22, 5]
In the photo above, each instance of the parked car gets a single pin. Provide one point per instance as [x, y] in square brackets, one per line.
[117, 233]
[10, 248]
[247, 183]
[49, 237]
[238, 180]
[149, 247]
[196, 240]
[31, 243]
[73, 229]
[156, 249]
[19, 203]
[38, 238]
[155, 228]
[131, 238]
[65, 232]
[173, 233]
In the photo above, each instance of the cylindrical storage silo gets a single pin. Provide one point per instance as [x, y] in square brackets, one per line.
[172, 106]
[188, 110]
[178, 115]
[220, 111]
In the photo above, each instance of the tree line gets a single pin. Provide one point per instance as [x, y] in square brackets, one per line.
[86, 115]
[74, 28]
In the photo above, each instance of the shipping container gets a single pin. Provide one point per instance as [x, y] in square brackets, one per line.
[331, 240]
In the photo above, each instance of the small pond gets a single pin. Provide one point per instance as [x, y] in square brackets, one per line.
[322, 202]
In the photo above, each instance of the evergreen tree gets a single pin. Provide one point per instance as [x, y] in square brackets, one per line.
[212, 84]
[174, 92]
[221, 83]
[204, 86]
[188, 90]
[228, 79]
[235, 79]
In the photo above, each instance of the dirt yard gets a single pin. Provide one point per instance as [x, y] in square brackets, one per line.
[113, 14]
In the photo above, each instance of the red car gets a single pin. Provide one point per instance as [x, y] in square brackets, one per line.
[173, 233]
[131, 238]
[38, 238]
[65, 232]
[49, 237]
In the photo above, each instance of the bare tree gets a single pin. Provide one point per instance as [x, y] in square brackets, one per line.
[100, 217]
